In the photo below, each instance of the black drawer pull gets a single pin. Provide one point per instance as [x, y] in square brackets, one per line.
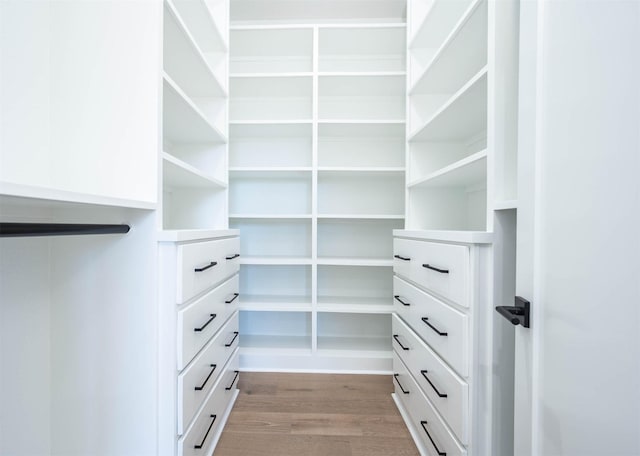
[201, 387]
[395, 336]
[424, 374]
[433, 268]
[228, 388]
[235, 335]
[199, 447]
[399, 299]
[395, 377]
[424, 426]
[232, 257]
[402, 258]
[426, 322]
[229, 301]
[210, 265]
[201, 328]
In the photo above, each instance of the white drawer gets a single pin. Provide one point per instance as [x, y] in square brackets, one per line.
[198, 322]
[198, 379]
[200, 437]
[401, 300]
[447, 392]
[443, 328]
[432, 432]
[403, 249]
[203, 264]
[443, 269]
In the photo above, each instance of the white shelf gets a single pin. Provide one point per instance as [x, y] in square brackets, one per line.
[348, 304]
[361, 169]
[177, 173]
[183, 121]
[251, 343]
[201, 17]
[193, 235]
[438, 20]
[183, 59]
[362, 121]
[470, 171]
[462, 54]
[275, 303]
[361, 216]
[505, 205]
[366, 262]
[463, 237]
[271, 216]
[275, 261]
[271, 122]
[283, 170]
[283, 74]
[462, 116]
[358, 346]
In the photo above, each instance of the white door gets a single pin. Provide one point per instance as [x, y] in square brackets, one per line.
[577, 376]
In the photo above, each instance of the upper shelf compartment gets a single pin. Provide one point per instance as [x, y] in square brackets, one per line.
[198, 72]
[360, 49]
[316, 11]
[271, 50]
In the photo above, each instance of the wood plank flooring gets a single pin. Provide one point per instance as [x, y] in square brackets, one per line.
[315, 415]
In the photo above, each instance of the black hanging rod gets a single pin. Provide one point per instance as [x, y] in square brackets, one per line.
[10, 229]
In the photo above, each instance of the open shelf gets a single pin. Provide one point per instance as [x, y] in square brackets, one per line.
[275, 238]
[353, 145]
[291, 282]
[362, 49]
[183, 121]
[361, 239]
[283, 193]
[456, 208]
[471, 171]
[361, 97]
[431, 22]
[271, 98]
[355, 284]
[193, 208]
[207, 21]
[177, 173]
[276, 145]
[275, 303]
[183, 59]
[462, 54]
[461, 116]
[273, 50]
[354, 304]
[360, 193]
[339, 332]
[264, 330]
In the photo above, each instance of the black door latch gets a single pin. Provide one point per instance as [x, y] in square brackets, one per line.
[518, 314]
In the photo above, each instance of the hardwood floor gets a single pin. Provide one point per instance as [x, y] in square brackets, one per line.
[315, 415]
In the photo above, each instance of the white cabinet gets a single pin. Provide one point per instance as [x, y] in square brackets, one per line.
[194, 156]
[448, 355]
[198, 362]
[317, 112]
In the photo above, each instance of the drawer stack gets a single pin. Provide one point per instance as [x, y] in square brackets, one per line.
[434, 298]
[199, 336]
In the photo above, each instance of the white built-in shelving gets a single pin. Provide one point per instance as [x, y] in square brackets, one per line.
[194, 157]
[317, 180]
[461, 114]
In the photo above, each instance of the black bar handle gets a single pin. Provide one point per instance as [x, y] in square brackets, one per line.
[425, 320]
[235, 335]
[395, 336]
[201, 328]
[433, 268]
[210, 265]
[228, 388]
[232, 257]
[402, 258]
[424, 374]
[395, 377]
[11, 229]
[199, 447]
[424, 426]
[201, 387]
[399, 299]
[229, 301]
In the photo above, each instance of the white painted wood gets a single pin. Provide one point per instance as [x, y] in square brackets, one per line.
[177, 173]
[454, 348]
[468, 172]
[207, 21]
[203, 372]
[283, 50]
[436, 379]
[574, 111]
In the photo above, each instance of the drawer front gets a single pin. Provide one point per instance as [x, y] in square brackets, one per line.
[202, 319]
[442, 269]
[230, 249]
[203, 264]
[401, 300]
[448, 393]
[443, 328]
[199, 439]
[403, 249]
[198, 379]
[431, 431]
